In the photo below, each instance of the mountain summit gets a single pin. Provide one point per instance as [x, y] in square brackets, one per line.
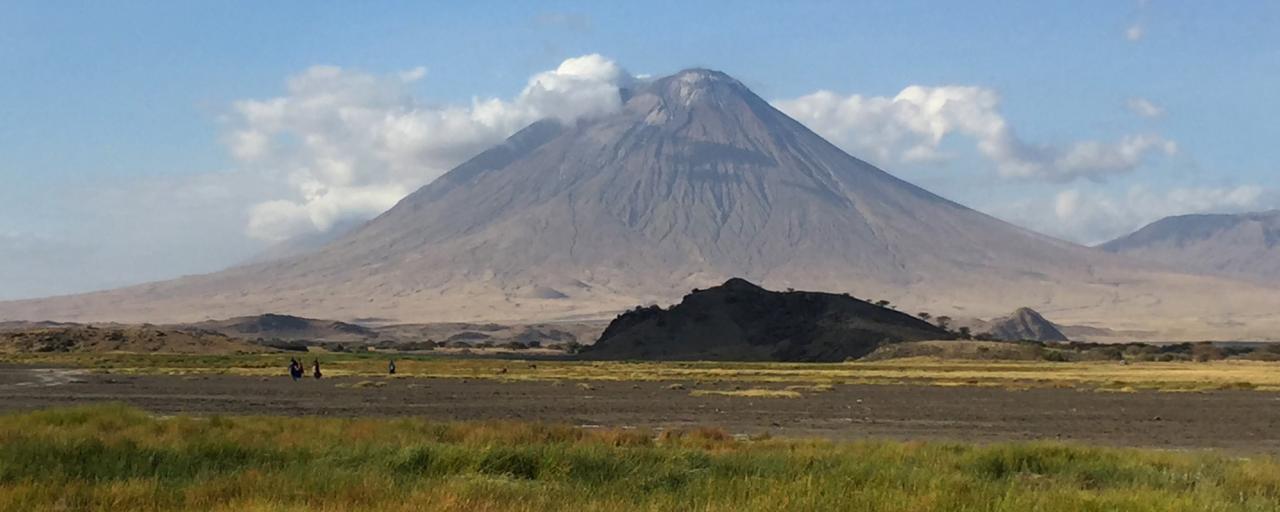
[693, 180]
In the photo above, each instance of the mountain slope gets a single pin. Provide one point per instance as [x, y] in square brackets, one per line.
[739, 321]
[694, 180]
[1245, 245]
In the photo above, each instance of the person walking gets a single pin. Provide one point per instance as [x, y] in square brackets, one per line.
[391, 367]
[316, 368]
[295, 369]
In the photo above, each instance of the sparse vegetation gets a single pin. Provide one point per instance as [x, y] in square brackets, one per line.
[943, 322]
[748, 393]
[115, 458]
[811, 388]
[571, 347]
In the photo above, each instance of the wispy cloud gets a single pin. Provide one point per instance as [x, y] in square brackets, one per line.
[911, 127]
[1144, 107]
[1135, 32]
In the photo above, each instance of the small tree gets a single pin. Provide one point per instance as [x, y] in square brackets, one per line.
[942, 322]
[883, 303]
[924, 315]
[965, 333]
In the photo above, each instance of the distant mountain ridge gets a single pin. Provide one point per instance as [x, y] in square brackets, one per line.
[694, 180]
[1245, 246]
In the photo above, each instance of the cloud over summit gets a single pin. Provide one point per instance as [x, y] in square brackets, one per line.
[349, 144]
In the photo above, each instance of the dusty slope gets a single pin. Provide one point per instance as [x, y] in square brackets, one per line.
[1246, 246]
[695, 180]
[739, 321]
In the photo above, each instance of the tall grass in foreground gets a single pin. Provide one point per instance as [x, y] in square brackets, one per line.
[116, 458]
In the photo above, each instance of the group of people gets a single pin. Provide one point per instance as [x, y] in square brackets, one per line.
[295, 368]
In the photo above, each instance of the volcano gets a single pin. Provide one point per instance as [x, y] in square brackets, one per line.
[693, 181]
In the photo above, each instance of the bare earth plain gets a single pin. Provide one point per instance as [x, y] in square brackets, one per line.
[1244, 421]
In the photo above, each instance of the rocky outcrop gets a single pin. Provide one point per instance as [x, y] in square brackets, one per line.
[739, 321]
[1025, 324]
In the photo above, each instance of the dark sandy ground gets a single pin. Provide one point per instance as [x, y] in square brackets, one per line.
[1239, 421]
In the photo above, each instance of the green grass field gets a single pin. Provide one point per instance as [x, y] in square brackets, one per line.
[116, 458]
[1094, 375]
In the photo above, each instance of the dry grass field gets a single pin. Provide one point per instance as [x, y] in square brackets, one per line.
[1095, 375]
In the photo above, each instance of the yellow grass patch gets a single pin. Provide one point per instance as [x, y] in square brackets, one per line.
[748, 393]
[811, 388]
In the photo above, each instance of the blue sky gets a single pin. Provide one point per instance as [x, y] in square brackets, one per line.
[117, 165]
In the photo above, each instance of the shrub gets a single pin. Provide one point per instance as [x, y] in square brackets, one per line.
[1205, 351]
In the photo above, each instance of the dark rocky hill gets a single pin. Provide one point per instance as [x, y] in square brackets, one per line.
[739, 321]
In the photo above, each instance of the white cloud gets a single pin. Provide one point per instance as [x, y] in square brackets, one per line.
[1144, 107]
[1135, 32]
[350, 144]
[911, 127]
[1093, 216]
[581, 87]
